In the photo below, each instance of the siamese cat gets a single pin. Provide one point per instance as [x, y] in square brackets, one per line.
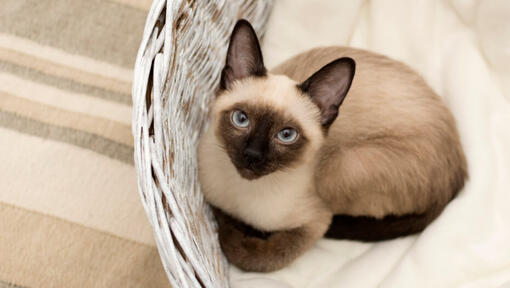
[335, 142]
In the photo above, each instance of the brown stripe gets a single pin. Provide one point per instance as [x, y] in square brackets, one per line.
[37, 250]
[63, 83]
[78, 138]
[8, 285]
[65, 100]
[65, 72]
[108, 129]
[98, 29]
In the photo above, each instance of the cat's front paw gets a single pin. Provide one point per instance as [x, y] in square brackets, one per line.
[253, 250]
[247, 253]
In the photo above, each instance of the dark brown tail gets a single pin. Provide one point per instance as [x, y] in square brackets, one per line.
[371, 229]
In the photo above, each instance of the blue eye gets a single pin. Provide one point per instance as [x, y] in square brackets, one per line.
[287, 135]
[240, 119]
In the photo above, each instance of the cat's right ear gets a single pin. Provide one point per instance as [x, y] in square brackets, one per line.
[244, 57]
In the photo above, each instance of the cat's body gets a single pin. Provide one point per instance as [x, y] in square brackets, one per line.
[394, 146]
[389, 163]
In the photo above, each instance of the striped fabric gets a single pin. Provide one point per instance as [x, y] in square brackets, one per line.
[69, 207]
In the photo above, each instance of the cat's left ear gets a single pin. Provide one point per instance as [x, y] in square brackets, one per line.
[329, 86]
[244, 57]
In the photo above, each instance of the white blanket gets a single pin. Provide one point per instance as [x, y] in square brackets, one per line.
[462, 48]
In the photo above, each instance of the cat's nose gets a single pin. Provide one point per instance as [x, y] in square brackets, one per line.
[252, 155]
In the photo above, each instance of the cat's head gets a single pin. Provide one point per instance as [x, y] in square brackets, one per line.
[267, 123]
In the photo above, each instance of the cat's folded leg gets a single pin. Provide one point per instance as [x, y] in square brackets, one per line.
[257, 251]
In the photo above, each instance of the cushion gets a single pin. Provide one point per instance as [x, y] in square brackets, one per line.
[70, 209]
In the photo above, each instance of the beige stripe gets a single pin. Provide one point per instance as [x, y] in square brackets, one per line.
[66, 181]
[42, 251]
[63, 58]
[139, 4]
[106, 128]
[64, 99]
[72, 73]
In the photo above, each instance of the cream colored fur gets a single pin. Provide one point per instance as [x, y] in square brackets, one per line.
[284, 199]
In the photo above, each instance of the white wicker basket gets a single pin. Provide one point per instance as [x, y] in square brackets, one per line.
[176, 73]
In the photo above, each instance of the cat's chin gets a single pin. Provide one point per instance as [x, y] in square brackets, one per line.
[249, 174]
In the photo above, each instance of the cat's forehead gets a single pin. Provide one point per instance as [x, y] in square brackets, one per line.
[275, 90]
[274, 94]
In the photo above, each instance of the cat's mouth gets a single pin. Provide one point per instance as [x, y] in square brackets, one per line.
[250, 171]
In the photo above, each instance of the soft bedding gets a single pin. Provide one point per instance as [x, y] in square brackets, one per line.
[70, 213]
[462, 48]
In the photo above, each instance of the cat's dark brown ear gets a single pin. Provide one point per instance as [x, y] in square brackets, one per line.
[329, 86]
[244, 57]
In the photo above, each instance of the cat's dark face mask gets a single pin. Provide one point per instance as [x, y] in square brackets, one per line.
[254, 147]
[259, 140]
